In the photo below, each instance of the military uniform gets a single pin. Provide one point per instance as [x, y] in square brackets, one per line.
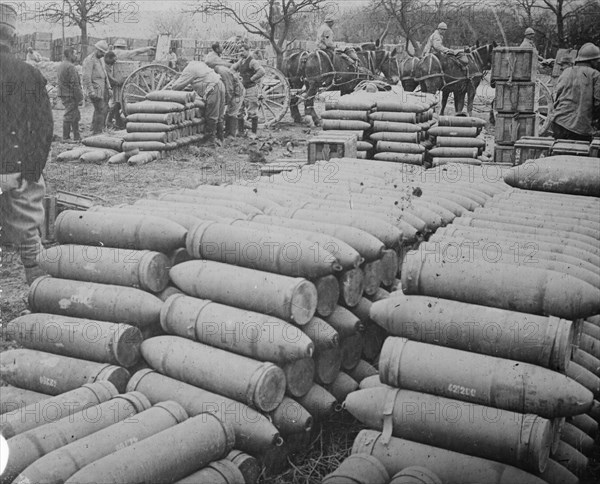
[97, 88]
[251, 72]
[234, 97]
[435, 45]
[70, 93]
[577, 102]
[208, 85]
[26, 129]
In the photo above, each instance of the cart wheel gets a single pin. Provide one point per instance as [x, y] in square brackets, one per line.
[544, 104]
[273, 97]
[140, 82]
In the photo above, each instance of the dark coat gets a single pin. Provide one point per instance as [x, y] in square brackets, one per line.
[26, 124]
[69, 83]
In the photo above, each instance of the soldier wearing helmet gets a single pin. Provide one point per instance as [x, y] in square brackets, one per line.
[577, 97]
[122, 53]
[528, 41]
[435, 42]
[325, 41]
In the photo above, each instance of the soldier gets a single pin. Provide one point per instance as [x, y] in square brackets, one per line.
[96, 84]
[325, 41]
[234, 98]
[435, 42]
[25, 139]
[33, 56]
[209, 87]
[251, 72]
[122, 53]
[529, 43]
[577, 96]
[114, 112]
[70, 93]
[214, 58]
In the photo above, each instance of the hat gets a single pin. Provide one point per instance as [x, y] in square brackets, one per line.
[102, 46]
[442, 25]
[529, 31]
[588, 52]
[329, 18]
[8, 21]
[120, 43]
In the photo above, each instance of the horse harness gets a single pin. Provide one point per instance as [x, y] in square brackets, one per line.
[443, 75]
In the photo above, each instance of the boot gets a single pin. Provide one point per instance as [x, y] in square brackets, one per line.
[241, 127]
[209, 134]
[75, 127]
[231, 126]
[66, 131]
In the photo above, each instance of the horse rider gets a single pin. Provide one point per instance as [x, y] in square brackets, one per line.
[529, 43]
[435, 42]
[325, 41]
[208, 85]
[252, 72]
[577, 97]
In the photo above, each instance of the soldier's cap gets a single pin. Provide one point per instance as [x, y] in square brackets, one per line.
[102, 46]
[8, 22]
[216, 46]
[529, 31]
[442, 26]
[588, 52]
[329, 18]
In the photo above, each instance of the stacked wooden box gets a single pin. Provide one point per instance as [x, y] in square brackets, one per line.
[514, 70]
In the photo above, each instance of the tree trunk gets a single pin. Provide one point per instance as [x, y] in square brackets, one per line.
[84, 40]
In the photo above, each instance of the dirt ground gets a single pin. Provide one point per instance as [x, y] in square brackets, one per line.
[188, 168]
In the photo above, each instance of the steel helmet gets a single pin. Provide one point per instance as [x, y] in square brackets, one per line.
[442, 25]
[102, 46]
[588, 52]
[120, 43]
[529, 31]
[329, 18]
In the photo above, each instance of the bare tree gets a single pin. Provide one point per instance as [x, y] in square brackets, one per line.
[83, 13]
[174, 22]
[269, 19]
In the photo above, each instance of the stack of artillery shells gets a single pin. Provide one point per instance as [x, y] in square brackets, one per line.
[164, 121]
[351, 113]
[456, 140]
[398, 128]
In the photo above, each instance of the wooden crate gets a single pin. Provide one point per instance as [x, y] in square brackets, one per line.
[531, 148]
[595, 148]
[570, 147]
[504, 154]
[564, 58]
[325, 148]
[519, 97]
[513, 63]
[510, 127]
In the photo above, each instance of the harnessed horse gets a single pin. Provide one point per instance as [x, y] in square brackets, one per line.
[448, 74]
[317, 70]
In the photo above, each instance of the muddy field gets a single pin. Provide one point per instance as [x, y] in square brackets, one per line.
[188, 168]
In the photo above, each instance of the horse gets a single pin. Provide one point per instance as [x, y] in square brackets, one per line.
[311, 71]
[449, 74]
